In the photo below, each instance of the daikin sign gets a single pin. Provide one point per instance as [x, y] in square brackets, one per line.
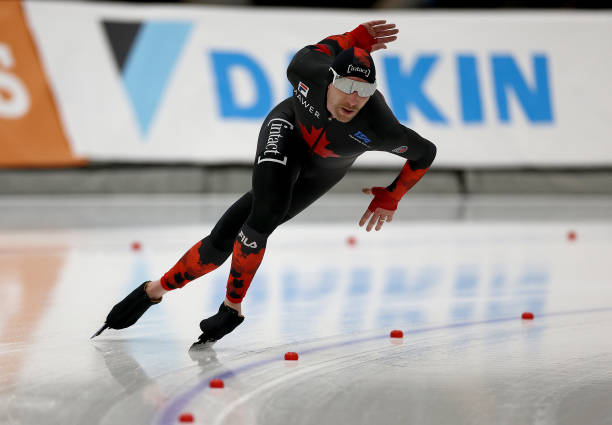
[170, 83]
[406, 80]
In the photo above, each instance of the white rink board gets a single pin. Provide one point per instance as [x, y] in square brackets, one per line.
[489, 89]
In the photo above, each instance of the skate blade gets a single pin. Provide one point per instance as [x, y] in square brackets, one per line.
[201, 346]
[102, 329]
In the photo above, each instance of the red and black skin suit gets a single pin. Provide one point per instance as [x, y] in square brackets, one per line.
[302, 152]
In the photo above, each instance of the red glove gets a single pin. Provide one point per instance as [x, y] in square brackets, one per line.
[363, 38]
[382, 199]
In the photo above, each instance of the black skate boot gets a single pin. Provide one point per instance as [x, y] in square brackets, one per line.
[129, 310]
[216, 327]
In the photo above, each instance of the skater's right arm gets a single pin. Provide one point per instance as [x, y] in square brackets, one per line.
[314, 60]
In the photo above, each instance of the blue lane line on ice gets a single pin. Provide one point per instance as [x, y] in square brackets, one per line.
[175, 407]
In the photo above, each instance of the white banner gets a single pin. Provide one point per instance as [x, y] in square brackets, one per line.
[194, 83]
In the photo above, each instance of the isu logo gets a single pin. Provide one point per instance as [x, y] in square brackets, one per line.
[400, 149]
[362, 137]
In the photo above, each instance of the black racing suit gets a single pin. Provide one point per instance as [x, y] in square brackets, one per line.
[302, 152]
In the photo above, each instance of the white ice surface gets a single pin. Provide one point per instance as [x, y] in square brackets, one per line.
[456, 288]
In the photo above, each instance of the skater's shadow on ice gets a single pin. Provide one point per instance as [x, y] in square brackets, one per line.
[206, 358]
[129, 373]
[122, 365]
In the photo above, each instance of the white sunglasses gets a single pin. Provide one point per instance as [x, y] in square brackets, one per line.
[348, 86]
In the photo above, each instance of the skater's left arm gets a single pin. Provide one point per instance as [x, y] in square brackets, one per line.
[314, 60]
[370, 36]
[419, 154]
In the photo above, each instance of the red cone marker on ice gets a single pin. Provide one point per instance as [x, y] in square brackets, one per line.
[291, 356]
[186, 417]
[397, 334]
[571, 236]
[527, 316]
[136, 246]
[216, 383]
[351, 241]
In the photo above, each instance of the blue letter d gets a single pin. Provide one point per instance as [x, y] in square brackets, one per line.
[223, 62]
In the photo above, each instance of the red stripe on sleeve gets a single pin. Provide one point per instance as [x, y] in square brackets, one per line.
[406, 179]
[323, 48]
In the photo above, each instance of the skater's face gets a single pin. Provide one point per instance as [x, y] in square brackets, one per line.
[342, 106]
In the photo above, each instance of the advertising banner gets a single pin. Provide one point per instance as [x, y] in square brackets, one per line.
[194, 83]
[30, 130]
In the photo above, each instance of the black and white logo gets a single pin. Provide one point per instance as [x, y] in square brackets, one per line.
[353, 68]
[245, 241]
[278, 129]
[307, 105]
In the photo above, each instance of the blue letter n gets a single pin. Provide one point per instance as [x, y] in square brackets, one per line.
[535, 101]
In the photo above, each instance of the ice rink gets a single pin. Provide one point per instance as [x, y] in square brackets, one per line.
[453, 273]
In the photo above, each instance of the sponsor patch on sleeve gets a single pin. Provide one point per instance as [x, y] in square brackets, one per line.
[303, 88]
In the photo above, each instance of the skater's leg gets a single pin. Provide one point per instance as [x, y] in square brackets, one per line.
[207, 254]
[202, 258]
[310, 186]
[249, 248]
[272, 185]
[277, 167]
[269, 208]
